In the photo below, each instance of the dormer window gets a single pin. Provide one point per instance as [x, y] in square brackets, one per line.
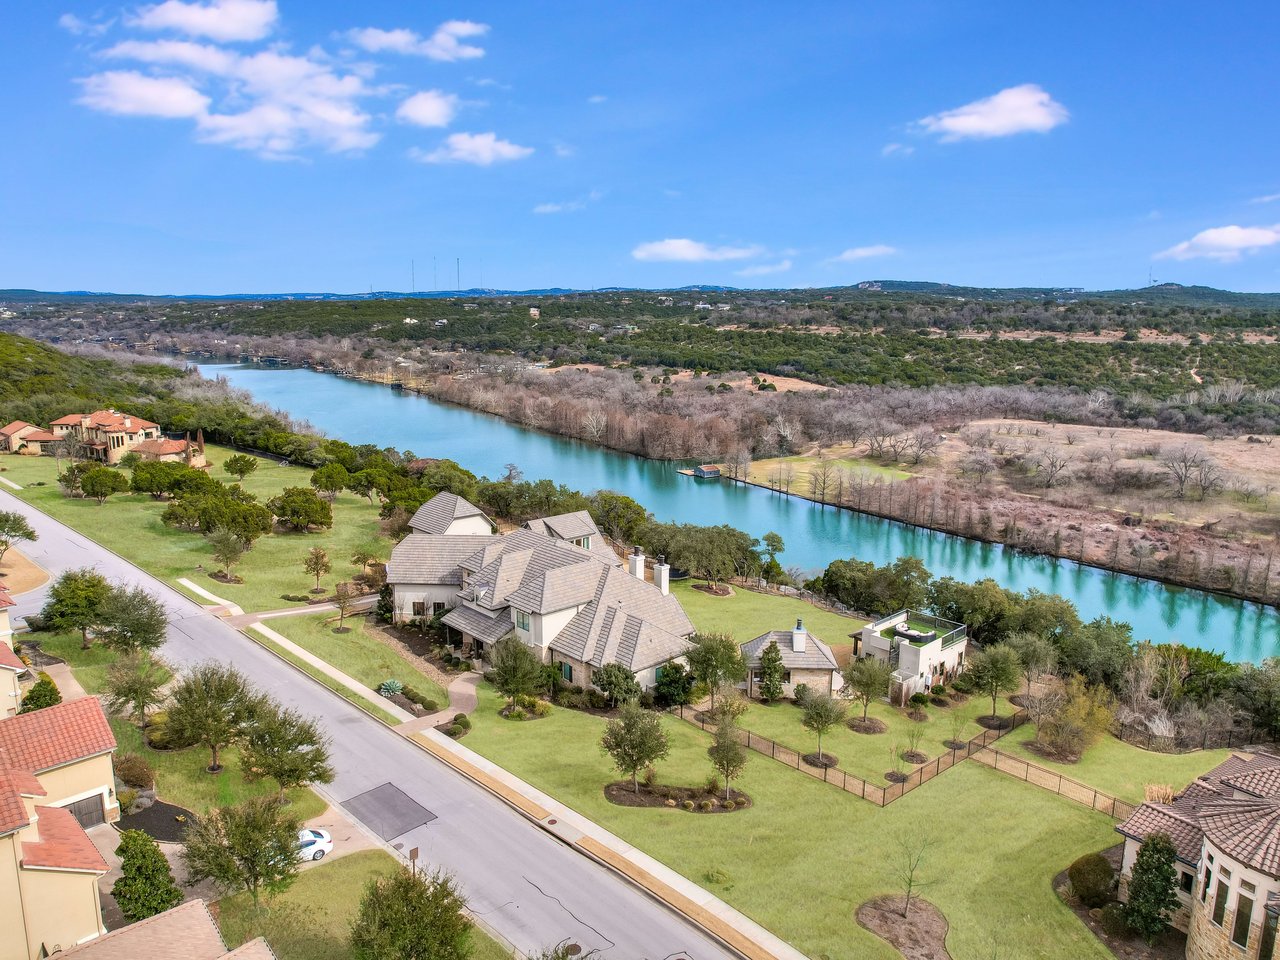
[583, 542]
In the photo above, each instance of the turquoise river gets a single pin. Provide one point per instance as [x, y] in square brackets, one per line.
[370, 413]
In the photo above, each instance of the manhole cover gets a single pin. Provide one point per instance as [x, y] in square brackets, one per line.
[551, 822]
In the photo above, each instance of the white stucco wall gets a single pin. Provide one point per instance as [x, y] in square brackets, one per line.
[405, 595]
[469, 525]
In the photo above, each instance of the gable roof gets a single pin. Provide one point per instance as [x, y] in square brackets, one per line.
[187, 932]
[482, 626]
[63, 844]
[8, 659]
[57, 735]
[426, 558]
[575, 526]
[816, 655]
[161, 447]
[436, 515]
[109, 421]
[14, 785]
[14, 427]
[40, 436]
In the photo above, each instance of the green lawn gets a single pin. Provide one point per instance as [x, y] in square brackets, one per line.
[130, 525]
[1120, 768]
[356, 653]
[312, 919]
[867, 756]
[89, 666]
[762, 471]
[748, 614]
[806, 855]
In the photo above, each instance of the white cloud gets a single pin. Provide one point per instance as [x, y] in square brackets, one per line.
[889, 149]
[127, 93]
[1225, 244]
[429, 108]
[481, 149]
[223, 20]
[691, 251]
[183, 53]
[83, 28]
[597, 98]
[1268, 198]
[862, 253]
[1021, 109]
[564, 149]
[445, 44]
[764, 269]
[569, 206]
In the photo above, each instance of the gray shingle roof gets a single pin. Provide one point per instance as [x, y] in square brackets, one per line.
[816, 655]
[471, 621]
[426, 558]
[575, 526]
[436, 514]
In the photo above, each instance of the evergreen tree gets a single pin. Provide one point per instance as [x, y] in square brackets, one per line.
[287, 747]
[517, 670]
[727, 754]
[716, 661]
[674, 686]
[634, 741]
[146, 885]
[866, 680]
[240, 465]
[411, 916]
[43, 693]
[14, 529]
[135, 684]
[1153, 888]
[252, 846]
[132, 619]
[212, 705]
[386, 609]
[75, 602]
[617, 683]
[771, 673]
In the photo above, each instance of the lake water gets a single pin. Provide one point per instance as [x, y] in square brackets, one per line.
[370, 413]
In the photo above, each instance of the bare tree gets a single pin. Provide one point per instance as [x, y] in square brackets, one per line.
[1050, 466]
[911, 854]
[1208, 477]
[1181, 465]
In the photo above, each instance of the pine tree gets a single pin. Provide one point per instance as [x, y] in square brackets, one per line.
[146, 885]
[771, 673]
[1153, 888]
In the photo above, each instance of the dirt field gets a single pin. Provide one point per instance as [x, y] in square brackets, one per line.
[19, 573]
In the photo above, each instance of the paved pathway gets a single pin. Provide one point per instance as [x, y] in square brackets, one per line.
[525, 883]
[462, 699]
[220, 607]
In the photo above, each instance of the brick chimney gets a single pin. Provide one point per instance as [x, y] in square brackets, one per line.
[798, 637]
[662, 575]
[635, 562]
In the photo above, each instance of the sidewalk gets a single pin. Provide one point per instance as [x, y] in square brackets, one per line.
[684, 896]
[462, 699]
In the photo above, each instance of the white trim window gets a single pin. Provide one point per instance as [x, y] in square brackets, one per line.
[522, 621]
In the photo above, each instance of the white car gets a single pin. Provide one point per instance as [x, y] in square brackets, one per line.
[314, 844]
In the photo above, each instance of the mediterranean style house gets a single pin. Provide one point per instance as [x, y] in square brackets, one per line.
[1225, 827]
[107, 435]
[14, 675]
[23, 437]
[187, 932]
[805, 660]
[924, 650]
[554, 583]
[55, 779]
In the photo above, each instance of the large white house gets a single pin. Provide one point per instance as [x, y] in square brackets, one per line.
[924, 650]
[555, 584]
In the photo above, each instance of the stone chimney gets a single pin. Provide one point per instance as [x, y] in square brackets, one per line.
[662, 575]
[798, 637]
[635, 562]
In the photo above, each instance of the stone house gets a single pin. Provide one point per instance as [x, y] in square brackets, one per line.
[107, 435]
[805, 660]
[56, 779]
[555, 584]
[1225, 829]
[924, 650]
[23, 437]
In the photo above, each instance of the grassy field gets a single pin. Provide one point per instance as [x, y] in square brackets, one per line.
[130, 525]
[1119, 768]
[805, 855]
[748, 614]
[356, 653]
[312, 919]
[868, 756]
[765, 472]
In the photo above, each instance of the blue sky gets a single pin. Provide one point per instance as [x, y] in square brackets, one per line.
[251, 145]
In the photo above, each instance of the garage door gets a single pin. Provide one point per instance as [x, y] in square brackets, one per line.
[88, 811]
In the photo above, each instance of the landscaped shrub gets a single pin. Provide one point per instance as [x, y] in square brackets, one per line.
[597, 700]
[295, 597]
[688, 804]
[650, 777]
[1092, 878]
[706, 806]
[453, 730]
[126, 798]
[729, 805]
[134, 771]
[426, 703]
[920, 699]
[713, 784]
[716, 876]
[516, 713]
[158, 736]
[938, 690]
[1113, 922]
[646, 700]
[801, 694]
[389, 688]
[462, 720]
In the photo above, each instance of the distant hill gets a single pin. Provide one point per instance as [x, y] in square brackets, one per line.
[1170, 294]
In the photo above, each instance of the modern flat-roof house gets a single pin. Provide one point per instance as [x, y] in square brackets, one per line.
[554, 584]
[108, 435]
[805, 659]
[56, 779]
[1225, 828]
[924, 650]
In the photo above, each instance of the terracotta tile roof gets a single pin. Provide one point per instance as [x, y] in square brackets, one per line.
[161, 447]
[8, 659]
[1247, 830]
[1257, 783]
[1179, 826]
[63, 844]
[253, 950]
[5, 599]
[14, 427]
[13, 812]
[48, 738]
[70, 420]
[40, 436]
[186, 932]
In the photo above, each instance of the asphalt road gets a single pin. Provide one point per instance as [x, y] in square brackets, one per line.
[527, 885]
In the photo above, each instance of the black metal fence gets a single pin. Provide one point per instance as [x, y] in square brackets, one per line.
[1189, 742]
[1055, 782]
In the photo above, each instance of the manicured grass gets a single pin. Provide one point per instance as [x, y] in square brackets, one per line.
[130, 525]
[356, 653]
[181, 776]
[1118, 768]
[342, 690]
[805, 855]
[867, 755]
[748, 614]
[312, 919]
[89, 666]
[762, 471]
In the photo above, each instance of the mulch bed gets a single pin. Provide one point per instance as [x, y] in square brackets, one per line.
[893, 776]
[942, 702]
[919, 716]
[1042, 751]
[825, 762]
[159, 821]
[39, 659]
[719, 590]
[954, 744]
[869, 725]
[916, 757]
[994, 723]
[223, 577]
[958, 697]
[619, 792]
[1171, 945]
[922, 936]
